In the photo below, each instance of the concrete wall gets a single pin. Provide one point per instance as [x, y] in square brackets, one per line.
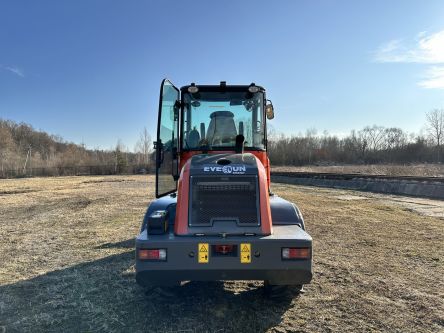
[401, 187]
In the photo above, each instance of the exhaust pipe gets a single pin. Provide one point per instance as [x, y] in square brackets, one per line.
[239, 148]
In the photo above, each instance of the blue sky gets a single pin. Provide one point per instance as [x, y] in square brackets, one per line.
[90, 70]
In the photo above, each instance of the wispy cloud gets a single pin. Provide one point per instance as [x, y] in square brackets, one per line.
[434, 78]
[14, 70]
[423, 49]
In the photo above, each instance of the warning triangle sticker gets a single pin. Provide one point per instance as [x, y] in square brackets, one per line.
[245, 248]
[203, 248]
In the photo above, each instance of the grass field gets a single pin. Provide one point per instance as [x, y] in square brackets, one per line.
[67, 266]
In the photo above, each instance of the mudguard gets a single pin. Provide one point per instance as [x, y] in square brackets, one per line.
[168, 203]
[284, 212]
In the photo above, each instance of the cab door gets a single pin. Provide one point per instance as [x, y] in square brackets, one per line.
[167, 139]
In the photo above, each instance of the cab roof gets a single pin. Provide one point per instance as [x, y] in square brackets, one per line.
[221, 87]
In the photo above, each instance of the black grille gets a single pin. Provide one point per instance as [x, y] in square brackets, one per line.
[216, 198]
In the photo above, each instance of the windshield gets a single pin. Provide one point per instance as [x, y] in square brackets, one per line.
[212, 120]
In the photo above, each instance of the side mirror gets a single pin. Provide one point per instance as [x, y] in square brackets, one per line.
[269, 110]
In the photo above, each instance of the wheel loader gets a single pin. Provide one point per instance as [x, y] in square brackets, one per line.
[215, 217]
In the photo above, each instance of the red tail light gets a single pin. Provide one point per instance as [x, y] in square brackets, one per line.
[223, 249]
[296, 253]
[152, 254]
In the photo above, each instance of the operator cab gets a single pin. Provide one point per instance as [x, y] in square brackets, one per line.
[207, 119]
[214, 115]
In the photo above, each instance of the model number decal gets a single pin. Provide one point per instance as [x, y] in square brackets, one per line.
[232, 169]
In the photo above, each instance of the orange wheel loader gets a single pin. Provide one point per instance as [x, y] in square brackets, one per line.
[215, 217]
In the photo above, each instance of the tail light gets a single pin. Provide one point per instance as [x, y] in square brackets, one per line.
[223, 249]
[291, 253]
[152, 254]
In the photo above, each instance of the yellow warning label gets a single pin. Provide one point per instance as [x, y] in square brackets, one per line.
[203, 253]
[245, 254]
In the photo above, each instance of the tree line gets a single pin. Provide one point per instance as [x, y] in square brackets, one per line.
[370, 145]
[25, 151]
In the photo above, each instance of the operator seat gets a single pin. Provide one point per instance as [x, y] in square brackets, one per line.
[222, 128]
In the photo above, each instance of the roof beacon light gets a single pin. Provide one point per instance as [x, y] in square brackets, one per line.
[192, 89]
[253, 88]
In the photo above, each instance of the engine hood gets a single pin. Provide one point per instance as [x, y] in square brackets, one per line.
[223, 194]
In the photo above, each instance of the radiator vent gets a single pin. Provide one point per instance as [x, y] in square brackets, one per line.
[221, 199]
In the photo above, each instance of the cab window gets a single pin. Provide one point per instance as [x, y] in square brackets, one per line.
[212, 120]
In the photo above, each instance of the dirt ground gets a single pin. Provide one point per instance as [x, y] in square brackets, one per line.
[67, 265]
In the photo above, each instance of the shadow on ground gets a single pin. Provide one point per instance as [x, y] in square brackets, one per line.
[126, 244]
[102, 296]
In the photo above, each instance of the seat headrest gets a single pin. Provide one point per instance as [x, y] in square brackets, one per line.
[227, 114]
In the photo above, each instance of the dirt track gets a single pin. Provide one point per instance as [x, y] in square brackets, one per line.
[67, 265]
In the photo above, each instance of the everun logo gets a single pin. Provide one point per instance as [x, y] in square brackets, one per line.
[229, 169]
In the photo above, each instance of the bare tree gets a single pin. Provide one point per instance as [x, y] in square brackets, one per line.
[121, 161]
[6, 146]
[143, 146]
[272, 134]
[394, 138]
[374, 136]
[435, 122]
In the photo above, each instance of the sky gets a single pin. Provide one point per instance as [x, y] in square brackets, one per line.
[90, 70]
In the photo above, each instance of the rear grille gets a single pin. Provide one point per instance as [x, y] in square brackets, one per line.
[216, 198]
[225, 186]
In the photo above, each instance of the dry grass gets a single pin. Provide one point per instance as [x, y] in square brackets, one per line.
[67, 265]
[424, 170]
